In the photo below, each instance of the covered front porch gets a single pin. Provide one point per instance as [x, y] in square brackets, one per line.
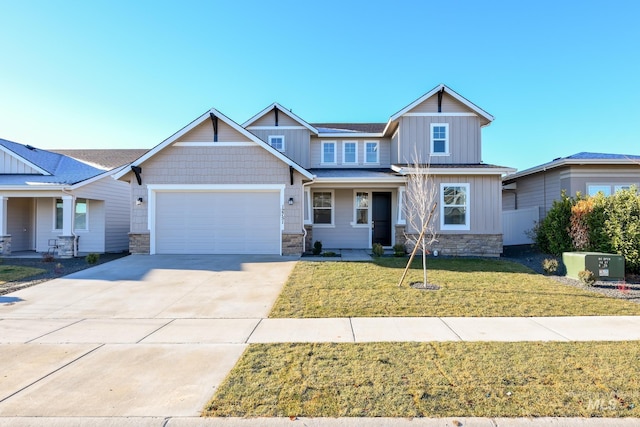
[43, 222]
[353, 209]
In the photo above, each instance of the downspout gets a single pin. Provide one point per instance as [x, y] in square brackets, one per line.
[73, 222]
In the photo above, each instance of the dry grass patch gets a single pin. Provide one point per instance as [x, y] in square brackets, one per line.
[433, 380]
[9, 273]
[468, 287]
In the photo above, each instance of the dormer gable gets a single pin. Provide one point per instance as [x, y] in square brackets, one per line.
[18, 159]
[277, 116]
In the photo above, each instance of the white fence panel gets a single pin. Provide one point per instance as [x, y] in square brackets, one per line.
[516, 223]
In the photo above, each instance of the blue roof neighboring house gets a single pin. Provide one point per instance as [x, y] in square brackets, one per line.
[54, 168]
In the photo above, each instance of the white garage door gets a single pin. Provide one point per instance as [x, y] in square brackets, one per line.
[217, 223]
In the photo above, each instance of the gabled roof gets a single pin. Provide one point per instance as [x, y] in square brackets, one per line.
[583, 158]
[206, 116]
[54, 168]
[283, 110]
[479, 111]
[107, 159]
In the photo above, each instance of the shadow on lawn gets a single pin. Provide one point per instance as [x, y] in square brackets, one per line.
[457, 264]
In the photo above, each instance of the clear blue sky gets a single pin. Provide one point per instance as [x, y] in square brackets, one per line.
[560, 77]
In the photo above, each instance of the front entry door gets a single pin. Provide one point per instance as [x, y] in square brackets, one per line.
[381, 218]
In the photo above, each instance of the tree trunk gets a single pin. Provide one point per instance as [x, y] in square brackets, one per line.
[424, 260]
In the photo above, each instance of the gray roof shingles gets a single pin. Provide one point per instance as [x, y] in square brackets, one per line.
[349, 127]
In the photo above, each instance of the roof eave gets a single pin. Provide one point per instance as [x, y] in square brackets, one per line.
[285, 111]
[568, 162]
[434, 170]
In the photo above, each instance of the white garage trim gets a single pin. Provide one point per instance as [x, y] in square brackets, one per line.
[153, 189]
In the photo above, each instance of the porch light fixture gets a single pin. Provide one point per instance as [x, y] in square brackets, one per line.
[139, 201]
[290, 200]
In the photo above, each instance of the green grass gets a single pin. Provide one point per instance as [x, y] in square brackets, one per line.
[596, 379]
[469, 287]
[9, 273]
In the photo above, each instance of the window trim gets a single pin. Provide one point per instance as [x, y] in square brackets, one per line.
[354, 223]
[333, 208]
[75, 205]
[307, 207]
[344, 153]
[366, 161]
[432, 139]
[613, 187]
[467, 225]
[402, 217]
[335, 154]
[277, 136]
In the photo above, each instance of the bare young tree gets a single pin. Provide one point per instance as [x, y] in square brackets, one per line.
[419, 209]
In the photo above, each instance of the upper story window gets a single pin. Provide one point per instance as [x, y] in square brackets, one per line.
[349, 152]
[277, 142]
[328, 152]
[371, 152]
[454, 207]
[80, 215]
[439, 139]
[323, 207]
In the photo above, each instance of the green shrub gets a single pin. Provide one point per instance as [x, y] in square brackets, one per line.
[92, 258]
[399, 250]
[329, 254]
[552, 233]
[550, 265]
[377, 249]
[317, 247]
[587, 277]
[622, 226]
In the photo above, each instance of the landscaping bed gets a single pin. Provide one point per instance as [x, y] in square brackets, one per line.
[57, 268]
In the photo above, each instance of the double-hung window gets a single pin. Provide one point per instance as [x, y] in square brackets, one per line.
[277, 142]
[362, 208]
[606, 189]
[439, 139]
[80, 215]
[328, 152]
[323, 207]
[454, 207]
[371, 152]
[349, 152]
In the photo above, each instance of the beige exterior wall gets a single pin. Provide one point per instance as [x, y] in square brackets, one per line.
[578, 178]
[449, 104]
[216, 165]
[464, 139]
[539, 190]
[11, 165]
[296, 142]
[269, 119]
[384, 147]
[204, 133]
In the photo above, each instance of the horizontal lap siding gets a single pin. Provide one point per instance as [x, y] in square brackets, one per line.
[449, 105]
[269, 119]
[296, 143]
[343, 235]
[204, 133]
[539, 190]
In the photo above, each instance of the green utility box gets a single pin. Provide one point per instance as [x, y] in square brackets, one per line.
[603, 266]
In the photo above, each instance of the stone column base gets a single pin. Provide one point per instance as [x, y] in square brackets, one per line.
[67, 246]
[308, 241]
[140, 243]
[5, 245]
[292, 243]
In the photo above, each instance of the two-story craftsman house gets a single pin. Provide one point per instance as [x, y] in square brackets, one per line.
[277, 183]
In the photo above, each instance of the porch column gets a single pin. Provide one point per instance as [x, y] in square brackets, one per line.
[5, 238]
[67, 241]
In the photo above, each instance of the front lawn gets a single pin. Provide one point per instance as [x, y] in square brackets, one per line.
[468, 287]
[9, 273]
[465, 379]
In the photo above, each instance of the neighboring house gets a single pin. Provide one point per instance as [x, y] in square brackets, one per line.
[528, 195]
[278, 183]
[49, 201]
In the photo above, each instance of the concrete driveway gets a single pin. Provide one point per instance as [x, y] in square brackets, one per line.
[139, 336]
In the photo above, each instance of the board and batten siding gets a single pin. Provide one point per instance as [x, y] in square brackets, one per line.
[464, 139]
[20, 215]
[109, 203]
[384, 156]
[296, 142]
[11, 165]
[578, 178]
[449, 105]
[342, 235]
[216, 165]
